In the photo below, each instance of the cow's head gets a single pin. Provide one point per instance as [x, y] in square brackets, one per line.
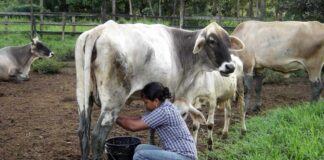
[39, 49]
[214, 41]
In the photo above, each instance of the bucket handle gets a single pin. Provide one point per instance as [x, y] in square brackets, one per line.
[110, 154]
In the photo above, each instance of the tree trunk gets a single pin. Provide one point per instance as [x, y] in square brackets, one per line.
[174, 7]
[160, 8]
[151, 8]
[103, 11]
[238, 8]
[182, 3]
[130, 7]
[41, 5]
[113, 5]
[257, 9]
[263, 9]
[32, 18]
[250, 11]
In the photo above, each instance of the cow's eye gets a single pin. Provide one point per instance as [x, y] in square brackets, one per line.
[212, 41]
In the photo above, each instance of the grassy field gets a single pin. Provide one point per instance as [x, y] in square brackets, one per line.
[290, 132]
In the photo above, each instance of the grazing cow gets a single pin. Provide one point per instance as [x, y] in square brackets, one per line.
[213, 90]
[15, 62]
[284, 47]
[113, 61]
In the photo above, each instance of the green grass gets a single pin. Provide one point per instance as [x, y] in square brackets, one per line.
[295, 132]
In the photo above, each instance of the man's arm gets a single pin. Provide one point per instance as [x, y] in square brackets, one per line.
[132, 123]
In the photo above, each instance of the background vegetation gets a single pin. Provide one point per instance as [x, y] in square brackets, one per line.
[294, 132]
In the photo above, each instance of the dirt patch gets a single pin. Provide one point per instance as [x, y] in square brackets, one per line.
[39, 118]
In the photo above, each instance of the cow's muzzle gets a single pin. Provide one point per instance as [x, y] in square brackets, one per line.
[226, 68]
[51, 54]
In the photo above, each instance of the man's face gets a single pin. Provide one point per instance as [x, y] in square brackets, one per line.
[150, 105]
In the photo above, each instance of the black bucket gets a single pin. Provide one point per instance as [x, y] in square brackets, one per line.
[121, 148]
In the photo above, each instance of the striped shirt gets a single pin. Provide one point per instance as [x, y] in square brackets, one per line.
[172, 130]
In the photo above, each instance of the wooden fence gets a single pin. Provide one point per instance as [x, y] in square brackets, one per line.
[74, 20]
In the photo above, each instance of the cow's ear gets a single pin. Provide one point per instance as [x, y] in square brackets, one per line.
[34, 40]
[197, 115]
[200, 42]
[236, 44]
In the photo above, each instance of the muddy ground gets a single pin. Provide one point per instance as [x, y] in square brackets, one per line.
[39, 118]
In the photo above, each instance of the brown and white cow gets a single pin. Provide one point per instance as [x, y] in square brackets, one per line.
[284, 47]
[15, 62]
[114, 61]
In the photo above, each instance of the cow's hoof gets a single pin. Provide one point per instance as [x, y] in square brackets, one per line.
[243, 132]
[210, 144]
[256, 109]
[225, 135]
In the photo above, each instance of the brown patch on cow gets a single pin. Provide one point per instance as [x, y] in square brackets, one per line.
[120, 71]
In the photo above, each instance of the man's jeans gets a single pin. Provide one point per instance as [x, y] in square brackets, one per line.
[151, 152]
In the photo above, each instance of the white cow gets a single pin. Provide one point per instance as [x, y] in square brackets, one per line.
[115, 60]
[212, 89]
[15, 62]
[284, 47]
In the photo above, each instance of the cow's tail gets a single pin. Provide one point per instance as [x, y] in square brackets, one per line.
[83, 52]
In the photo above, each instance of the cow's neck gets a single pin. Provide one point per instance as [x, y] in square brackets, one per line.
[190, 64]
[184, 42]
[24, 56]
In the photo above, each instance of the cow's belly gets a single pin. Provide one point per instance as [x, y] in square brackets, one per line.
[283, 66]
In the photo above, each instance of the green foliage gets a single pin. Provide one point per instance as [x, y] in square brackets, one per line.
[285, 133]
[22, 8]
[303, 9]
[47, 66]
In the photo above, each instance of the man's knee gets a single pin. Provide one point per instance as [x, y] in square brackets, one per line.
[139, 155]
[139, 147]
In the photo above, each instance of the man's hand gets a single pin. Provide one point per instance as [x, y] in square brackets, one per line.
[132, 123]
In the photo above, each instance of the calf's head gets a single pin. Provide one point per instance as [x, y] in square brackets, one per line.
[39, 49]
[216, 43]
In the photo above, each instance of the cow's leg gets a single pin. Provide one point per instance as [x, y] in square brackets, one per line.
[317, 88]
[210, 123]
[195, 129]
[84, 123]
[112, 97]
[108, 115]
[151, 136]
[258, 88]
[314, 74]
[84, 131]
[241, 105]
[248, 81]
[227, 116]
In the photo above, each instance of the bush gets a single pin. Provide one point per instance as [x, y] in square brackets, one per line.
[47, 66]
[23, 8]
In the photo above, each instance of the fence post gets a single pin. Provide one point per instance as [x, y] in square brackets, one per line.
[73, 24]
[63, 25]
[41, 24]
[6, 23]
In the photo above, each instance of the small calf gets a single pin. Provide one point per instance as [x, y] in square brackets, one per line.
[215, 90]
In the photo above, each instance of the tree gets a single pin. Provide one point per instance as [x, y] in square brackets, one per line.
[182, 5]
[103, 11]
[113, 9]
[130, 7]
[151, 8]
[250, 11]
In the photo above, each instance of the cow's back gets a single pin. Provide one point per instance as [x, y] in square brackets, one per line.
[282, 46]
[145, 51]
